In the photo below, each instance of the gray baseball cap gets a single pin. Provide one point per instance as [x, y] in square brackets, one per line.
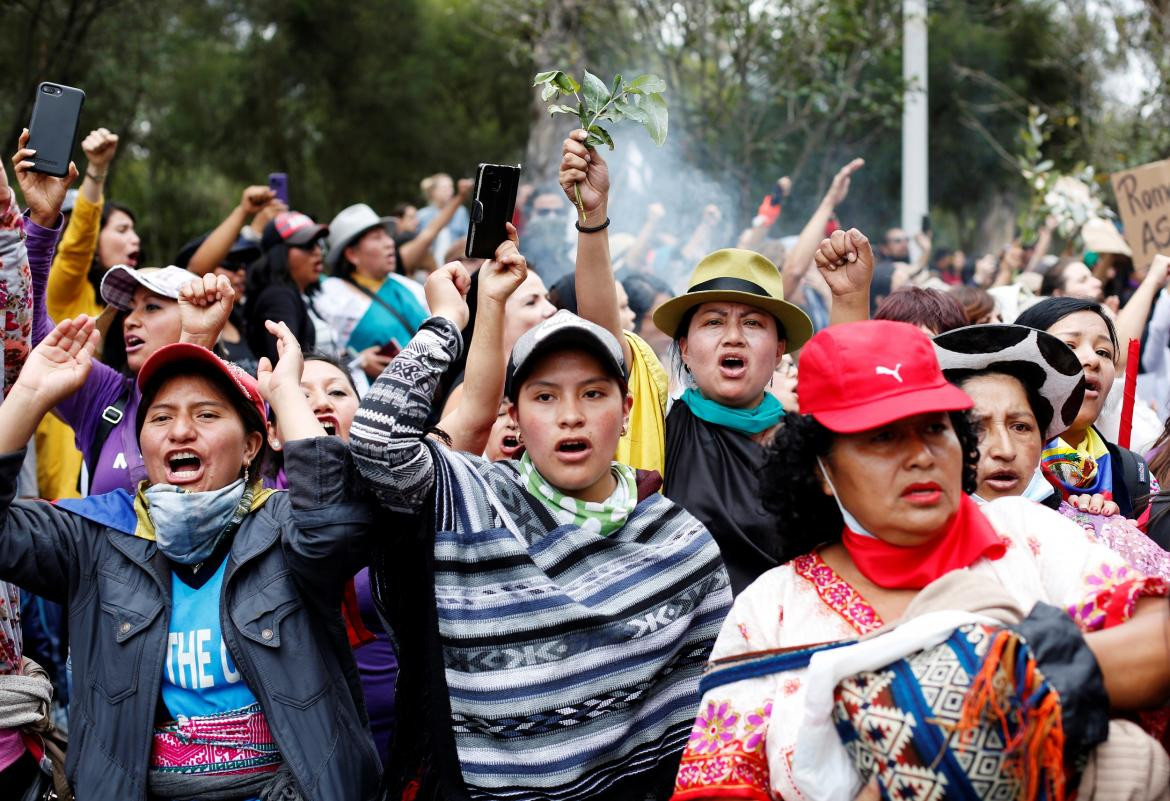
[564, 331]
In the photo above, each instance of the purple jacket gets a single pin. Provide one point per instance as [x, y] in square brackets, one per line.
[119, 462]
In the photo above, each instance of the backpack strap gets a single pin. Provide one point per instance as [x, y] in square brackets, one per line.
[1135, 475]
[110, 417]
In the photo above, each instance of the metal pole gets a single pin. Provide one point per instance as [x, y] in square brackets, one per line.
[915, 175]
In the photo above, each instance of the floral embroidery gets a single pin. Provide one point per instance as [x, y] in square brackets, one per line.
[1034, 545]
[837, 593]
[791, 686]
[1114, 590]
[714, 728]
[756, 727]
[735, 765]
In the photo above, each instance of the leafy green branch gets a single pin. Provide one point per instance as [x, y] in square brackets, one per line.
[639, 101]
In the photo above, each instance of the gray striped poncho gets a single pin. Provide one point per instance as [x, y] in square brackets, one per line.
[572, 661]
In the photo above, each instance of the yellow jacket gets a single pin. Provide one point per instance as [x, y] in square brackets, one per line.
[644, 446]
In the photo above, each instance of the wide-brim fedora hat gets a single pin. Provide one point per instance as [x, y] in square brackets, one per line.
[737, 276]
[349, 224]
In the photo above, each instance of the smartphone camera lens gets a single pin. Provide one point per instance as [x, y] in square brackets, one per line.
[47, 90]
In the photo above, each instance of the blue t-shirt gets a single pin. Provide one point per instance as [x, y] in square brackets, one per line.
[199, 676]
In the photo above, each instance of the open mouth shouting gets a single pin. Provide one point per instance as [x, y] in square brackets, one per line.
[510, 446]
[573, 450]
[132, 259]
[330, 424]
[184, 467]
[134, 343]
[732, 365]
[1003, 480]
[1092, 387]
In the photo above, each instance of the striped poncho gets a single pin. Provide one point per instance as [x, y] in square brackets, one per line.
[571, 660]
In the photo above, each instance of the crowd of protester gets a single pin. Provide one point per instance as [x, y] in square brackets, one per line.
[325, 509]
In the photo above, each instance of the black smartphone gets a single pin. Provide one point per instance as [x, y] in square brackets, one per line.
[492, 204]
[925, 224]
[390, 349]
[52, 132]
[278, 183]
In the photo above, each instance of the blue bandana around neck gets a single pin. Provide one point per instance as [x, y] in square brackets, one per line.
[745, 421]
[189, 525]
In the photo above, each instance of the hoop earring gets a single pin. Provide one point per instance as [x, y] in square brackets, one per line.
[770, 380]
[687, 369]
[519, 438]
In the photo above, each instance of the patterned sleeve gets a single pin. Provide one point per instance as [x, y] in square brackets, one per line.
[16, 302]
[388, 434]
[1094, 583]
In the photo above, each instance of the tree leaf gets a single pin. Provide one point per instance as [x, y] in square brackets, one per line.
[545, 77]
[617, 85]
[564, 81]
[548, 92]
[583, 115]
[631, 111]
[555, 109]
[596, 92]
[647, 84]
[657, 120]
[599, 136]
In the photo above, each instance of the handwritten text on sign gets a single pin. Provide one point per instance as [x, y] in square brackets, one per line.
[1143, 198]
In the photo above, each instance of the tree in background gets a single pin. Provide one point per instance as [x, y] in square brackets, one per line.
[359, 101]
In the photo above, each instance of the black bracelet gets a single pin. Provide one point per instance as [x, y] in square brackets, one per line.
[601, 227]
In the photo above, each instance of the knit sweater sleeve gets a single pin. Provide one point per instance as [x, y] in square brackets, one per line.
[389, 432]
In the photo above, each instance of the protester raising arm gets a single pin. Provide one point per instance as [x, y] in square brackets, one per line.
[585, 170]
[69, 293]
[797, 262]
[1132, 318]
[15, 291]
[845, 259]
[214, 250]
[415, 250]
[388, 437]
[470, 424]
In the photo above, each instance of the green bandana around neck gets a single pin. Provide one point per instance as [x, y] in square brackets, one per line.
[745, 421]
[601, 518]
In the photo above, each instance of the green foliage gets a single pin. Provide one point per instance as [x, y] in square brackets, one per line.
[638, 101]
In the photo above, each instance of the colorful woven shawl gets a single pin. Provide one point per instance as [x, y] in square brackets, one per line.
[572, 659]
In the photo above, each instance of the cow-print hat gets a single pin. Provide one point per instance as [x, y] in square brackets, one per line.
[1050, 372]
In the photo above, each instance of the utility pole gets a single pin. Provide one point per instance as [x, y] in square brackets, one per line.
[915, 166]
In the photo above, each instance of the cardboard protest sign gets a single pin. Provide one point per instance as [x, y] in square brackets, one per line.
[1143, 198]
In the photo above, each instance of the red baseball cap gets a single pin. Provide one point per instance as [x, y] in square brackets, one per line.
[187, 353]
[858, 376]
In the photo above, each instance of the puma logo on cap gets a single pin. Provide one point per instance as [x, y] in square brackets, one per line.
[894, 373]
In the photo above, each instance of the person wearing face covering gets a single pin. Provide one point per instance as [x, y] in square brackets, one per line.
[873, 476]
[208, 650]
[1028, 388]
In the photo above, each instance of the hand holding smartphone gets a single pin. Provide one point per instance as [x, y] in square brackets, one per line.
[492, 205]
[52, 132]
[278, 183]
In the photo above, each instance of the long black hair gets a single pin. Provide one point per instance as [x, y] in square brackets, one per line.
[1050, 311]
[97, 270]
[792, 491]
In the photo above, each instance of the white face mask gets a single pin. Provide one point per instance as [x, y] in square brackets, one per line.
[852, 522]
[1037, 490]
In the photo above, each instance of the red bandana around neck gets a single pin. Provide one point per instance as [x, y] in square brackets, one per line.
[968, 537]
